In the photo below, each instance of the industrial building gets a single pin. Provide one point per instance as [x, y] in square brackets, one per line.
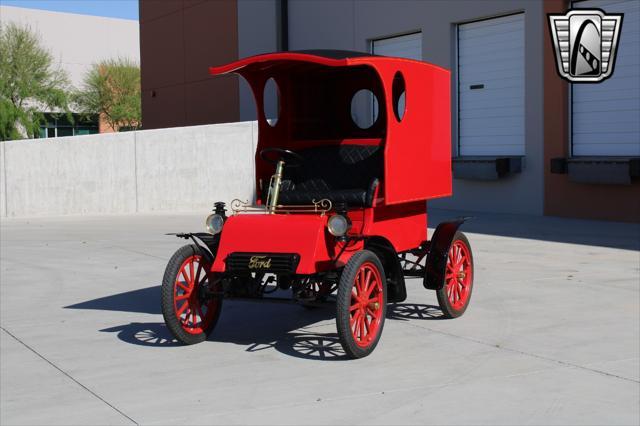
[523, 139]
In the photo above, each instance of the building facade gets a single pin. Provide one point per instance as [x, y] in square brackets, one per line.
[523, 140]
[76, 42]
[178, 42]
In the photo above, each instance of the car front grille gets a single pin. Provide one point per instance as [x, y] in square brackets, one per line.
[277, 263]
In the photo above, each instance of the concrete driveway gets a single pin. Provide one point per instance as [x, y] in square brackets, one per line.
[552, 335]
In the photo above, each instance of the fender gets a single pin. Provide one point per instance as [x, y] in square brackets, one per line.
[203, 240]
[438, 252]
[396, 287]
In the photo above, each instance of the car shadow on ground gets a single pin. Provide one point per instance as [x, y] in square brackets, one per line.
[544, 228]
[258, 325]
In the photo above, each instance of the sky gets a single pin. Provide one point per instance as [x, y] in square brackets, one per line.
[123, 9]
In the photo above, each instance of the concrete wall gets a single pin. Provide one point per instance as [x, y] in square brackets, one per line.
[178, 169]
[183, 169]
[352, 24]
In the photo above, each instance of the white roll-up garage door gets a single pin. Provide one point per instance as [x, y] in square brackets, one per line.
[406, 46]
[605, 116]
[491, 86]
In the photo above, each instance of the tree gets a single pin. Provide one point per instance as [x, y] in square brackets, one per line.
[111, 88]
[29, 84]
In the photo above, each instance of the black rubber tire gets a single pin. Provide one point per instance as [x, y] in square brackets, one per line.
[168, 310]
[343, 303]
[443, 300]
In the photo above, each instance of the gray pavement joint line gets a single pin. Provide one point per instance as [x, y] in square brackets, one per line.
[137, 252]
[517, 351]
[67, 375]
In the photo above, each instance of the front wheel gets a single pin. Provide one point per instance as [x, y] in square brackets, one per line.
[189, 311]
[455, 294]
[361, 304]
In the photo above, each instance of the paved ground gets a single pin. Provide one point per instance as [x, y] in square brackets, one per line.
[552, 335]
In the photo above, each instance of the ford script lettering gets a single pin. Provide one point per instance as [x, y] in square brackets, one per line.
[259, 262]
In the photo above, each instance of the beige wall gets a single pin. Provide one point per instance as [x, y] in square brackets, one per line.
[77, 41]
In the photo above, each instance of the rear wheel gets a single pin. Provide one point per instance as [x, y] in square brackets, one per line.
[189, 311]
[361, 304]
[455, 294]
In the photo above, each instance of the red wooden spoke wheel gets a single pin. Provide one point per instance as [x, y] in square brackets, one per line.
[366, 301]
[194, 315]
[361, 304]
[189, 312]
[458, 279]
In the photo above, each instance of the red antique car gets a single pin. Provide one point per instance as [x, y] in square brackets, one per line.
[340, 210]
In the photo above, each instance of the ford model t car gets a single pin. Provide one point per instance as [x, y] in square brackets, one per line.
[341, 203]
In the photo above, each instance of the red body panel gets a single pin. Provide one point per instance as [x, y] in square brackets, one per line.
[404, 226]
[304, 234]
[417, 156]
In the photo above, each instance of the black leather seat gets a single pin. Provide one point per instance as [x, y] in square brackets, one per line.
[343, 174]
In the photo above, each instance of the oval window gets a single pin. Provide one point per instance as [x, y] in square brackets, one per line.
[364, 108]
[399, 96]
[271, 102]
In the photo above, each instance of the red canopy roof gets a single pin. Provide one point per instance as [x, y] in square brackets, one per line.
[331, 58]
